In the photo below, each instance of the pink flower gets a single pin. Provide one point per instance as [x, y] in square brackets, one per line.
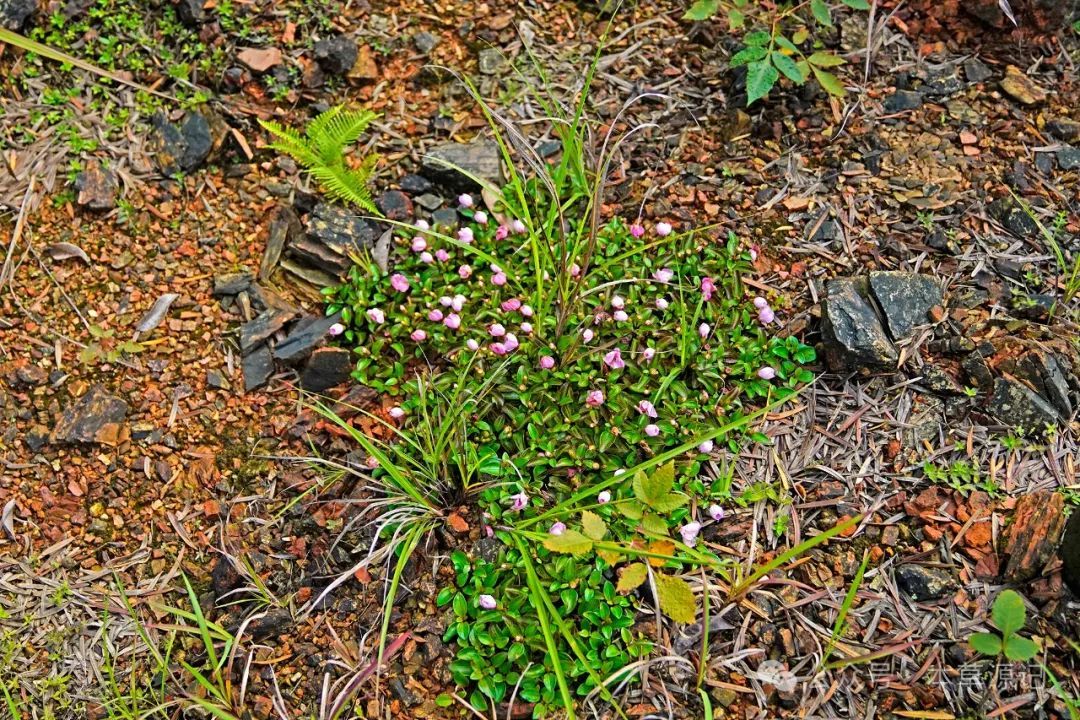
[614, 360]
[426, 258]
[618, 302]
[464, 272]
[557, 528]
[465, 200]
[663, 275]
[652, 430]
[465, 235]
[487, 601]
[511, 342]
[458, 302]
[708, 287]
[452, 321]
[706, 446]
[753, 253]
[703, 330]
[496, 330]
[375, 315]
[502, 232]
[587, 335]
[520, 501]
[490, 533]
[766, 316]
[637, 230]
[446, 300]
[435, 315]
[418, 335]
[498, 348]
[419, 244]
[761, 303]
[499, 279]
[335, 330]
[517, 226]
[648, 353]
[510, 305]
[716, 512]
[422, 225]
[603, 497]
[441, 255]
[480, 217]
[620, 316]
[661, 304]
[526, 311]
[399, 282]
[595, 398]
[547, 362]
[766, 373]
[526, 327]
[397, 413]
[663, 229]
[472, 344]
[646, 408]
[372, 462]
[575, 270]
[689, 533]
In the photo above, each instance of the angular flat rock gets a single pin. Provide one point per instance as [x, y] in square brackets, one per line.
[258, 367]
[1044, 373]
[328, 366]
[854, 336]
[307, 334]
[96, 417]
[262, 327]
[180, 147]
[232, 283]
[284, 228]
[340, 230]
[480, 158]
[924, 583]
[1069, 552]
[1016, 406]
[905, 300]
[97, 186]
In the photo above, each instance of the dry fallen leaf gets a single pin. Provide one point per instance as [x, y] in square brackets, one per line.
[7, 518]
[66, 250]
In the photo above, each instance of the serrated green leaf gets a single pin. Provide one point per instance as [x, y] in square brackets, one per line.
[820, 10]
[857, 4]
[760, 78]
[985, 643]
[736, 20]
[701, 10]
[631, 510]
[650, 489]
[611, 557]
[825, 59]
[748, 55]
[788, 67]
[654, 524]
[593, 525]
[631, 577]
[669, 502]
[570, 541]
[830, 82]
[758, 38]
[1008, 612]
[676, 598]
[1020, 649]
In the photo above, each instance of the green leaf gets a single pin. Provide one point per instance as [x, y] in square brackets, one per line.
[649, 488]
[701, 10]
[1020, 649]
[786, 44]
[760, 78]
[820, 11]
[857, 4]
[825, 59]
[654, 524]
[676, 598]
[736, 20]
[748, 55]
[631, 577]
[985, 643]
[571, 541]
[788, 67]
[593, 525]
[445, 595]
[1009, 613]
[830, 82]
[758, 38]
[444, 700]
[669, 502]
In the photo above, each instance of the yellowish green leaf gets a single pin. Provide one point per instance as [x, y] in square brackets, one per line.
[570, 541]
[631, 577]
[676, 598]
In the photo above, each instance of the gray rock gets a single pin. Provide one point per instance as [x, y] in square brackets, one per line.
[307, 334]
[924, 583]
[445, 218]
[262, 327]
[284, 228]
[395, 205]
[977, 370]
[480, 158]
[258, 367]
[1069, 552]
[232, 283]
[903, 100]
[215, 379]
[430, 201]
[1043, 372]
[976, 71]
[340, 230]
[425, 42]
[15, 13]
[1017, 407]
[853, 333]
[905, 300]
[1068, 158]
[336, 54]
[1013, 218]
[327, 367]
[415, 184]
[191, 12]
[97, 186]
[491, 60]
[180, 147]
[94, 418]
[320, 256]
[939, 381]
[316, 278]
[1064, 129]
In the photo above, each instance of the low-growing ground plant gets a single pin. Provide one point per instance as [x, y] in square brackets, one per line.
[779, 40]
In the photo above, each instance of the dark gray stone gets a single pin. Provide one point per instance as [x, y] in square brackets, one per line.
[924, 583]
[340, 230]
[15, 13]
[284, 228]
[1017, 407]
[942, 86]
[445, 218]
[903, 100]
[430, 201]
[215, 379]
[425, 42]
[939, 381]
[320, 256]
[1068, 158]
[976, 71]
[90, 418]
[258, 367]
[480, 158]
[1013, 218]
[232, 283]
[1069, 552]
[191, 12]
[327, 367]
[853, 333]
[180, 147]
[265, 324]
[905, 300]
[307, 334]
[977, 370]
[1044, 373]
[395, 205]
[97, 186]
[415, 184]
[490, 61]
[1064, 129]
[336, 54]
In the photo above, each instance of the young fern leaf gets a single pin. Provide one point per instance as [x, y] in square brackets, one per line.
[320, 151]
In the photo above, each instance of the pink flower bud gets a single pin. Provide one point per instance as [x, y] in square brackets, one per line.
[595, 398]
[422, 225]
[708, 287]
[704, 330]
[520, 501]
[335, 330]
[498, 279]
[661, 304]
[587, 335]
[766, 316]
[663, 275]
[399, 282]
[498, 348]
[480, 217]
[375, 315]
[441, 255]
[472, 344]
[637, 230]
[620, 316]
[452, 321]
[418, 335]
[547, 362]
[435, 315]
[706, 446]
[603, 497]
[689, 533]
[618, 302]
[487, 602]
[646, 408]
[426, 258]
[419, 244]
[652, 430]
[510, 305]
[761, 303]
[526, 311]
[663, 229]
[518, 226]
[397, 413]
[502, 232]
[526, 327]
[458, 302]
[557, 528]
[446, 300]
[766, 373]
[464, 272]
[511, 342]
[614, 360]
[648, 353]
[465, 200]
[496, 330]
[465, 235]
[575, 270]
[716, 512]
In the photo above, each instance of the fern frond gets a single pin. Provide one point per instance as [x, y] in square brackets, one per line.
[291, 143]
[332, 132]
[345, 184]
